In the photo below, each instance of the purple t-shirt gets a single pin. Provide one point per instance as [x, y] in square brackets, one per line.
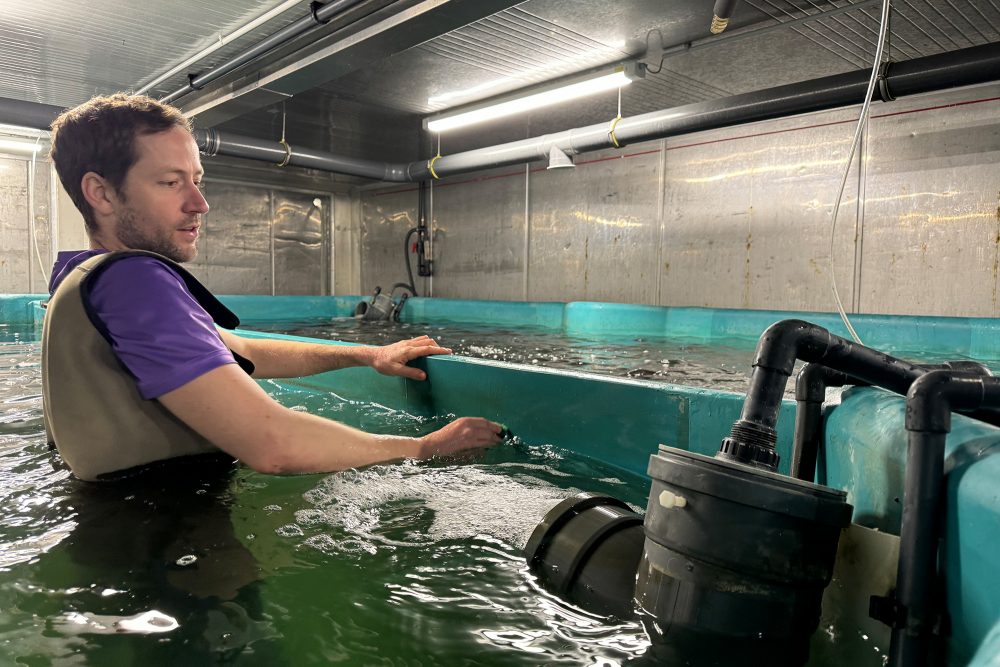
[158, 330]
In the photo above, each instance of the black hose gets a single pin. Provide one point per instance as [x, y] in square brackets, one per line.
[404, 286]
[409, 270]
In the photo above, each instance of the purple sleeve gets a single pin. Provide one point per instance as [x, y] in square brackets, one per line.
[158, 330]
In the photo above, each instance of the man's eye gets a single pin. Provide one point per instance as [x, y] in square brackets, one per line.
[169, 183]
[200, 185]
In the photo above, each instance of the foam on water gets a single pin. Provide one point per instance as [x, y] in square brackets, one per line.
[455, 502]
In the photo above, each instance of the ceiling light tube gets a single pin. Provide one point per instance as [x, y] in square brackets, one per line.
[19, 146]
[561, 91]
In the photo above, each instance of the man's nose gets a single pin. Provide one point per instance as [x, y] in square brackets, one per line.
[195, 201]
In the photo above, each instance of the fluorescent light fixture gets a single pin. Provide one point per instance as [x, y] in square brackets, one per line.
[559, 91]
[568, 63]
[19, 146]
[18, 140]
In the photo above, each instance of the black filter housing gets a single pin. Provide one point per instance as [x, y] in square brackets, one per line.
[586, 550]
[735, 561]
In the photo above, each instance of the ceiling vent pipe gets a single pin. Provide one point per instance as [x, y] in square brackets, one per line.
[319, 15]
[27, 114]
[978, 64]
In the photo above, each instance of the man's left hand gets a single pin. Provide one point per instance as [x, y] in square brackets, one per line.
[392, 359]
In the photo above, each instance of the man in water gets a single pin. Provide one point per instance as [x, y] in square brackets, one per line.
[135, 370]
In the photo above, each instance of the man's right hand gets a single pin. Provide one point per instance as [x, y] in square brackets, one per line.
[233, 412]
[463, 433]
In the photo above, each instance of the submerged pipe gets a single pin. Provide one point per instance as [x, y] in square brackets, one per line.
[977, 64]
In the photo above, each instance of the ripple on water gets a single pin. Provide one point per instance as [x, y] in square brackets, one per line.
[415, 504]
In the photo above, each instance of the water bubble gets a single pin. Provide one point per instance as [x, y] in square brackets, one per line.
[184, 561]
[289, 530]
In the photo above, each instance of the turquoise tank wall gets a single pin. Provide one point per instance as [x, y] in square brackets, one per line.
[621, 421]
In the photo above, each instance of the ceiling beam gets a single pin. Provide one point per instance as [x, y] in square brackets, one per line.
[395, 28]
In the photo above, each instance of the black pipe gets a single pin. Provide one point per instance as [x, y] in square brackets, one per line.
[424, 264]
[810, 392]
[28, 114]
[406, 256]
[915, 607]
[753, 437]
[319, 15]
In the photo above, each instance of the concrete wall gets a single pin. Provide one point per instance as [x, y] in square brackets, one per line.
[730, 218]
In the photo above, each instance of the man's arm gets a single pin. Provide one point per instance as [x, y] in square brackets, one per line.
[274, 358]
[229, 409]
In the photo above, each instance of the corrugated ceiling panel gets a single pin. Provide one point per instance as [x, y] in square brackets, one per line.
[73, 50]
[918, 27]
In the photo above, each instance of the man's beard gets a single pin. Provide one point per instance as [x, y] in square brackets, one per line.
[133, 234]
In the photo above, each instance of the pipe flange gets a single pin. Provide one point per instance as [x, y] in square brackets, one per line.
[883, 82]
[213, 142]
[314, 8]
[430, 167]
[288, 154]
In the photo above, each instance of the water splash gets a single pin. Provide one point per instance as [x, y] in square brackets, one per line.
[413, 504]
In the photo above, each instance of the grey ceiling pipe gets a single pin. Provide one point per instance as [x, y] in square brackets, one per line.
[27, 114]
[212, 142]
[977, 64]
[319, 15]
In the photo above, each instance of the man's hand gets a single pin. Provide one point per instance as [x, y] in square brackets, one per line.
[463, 433]
[392, 359]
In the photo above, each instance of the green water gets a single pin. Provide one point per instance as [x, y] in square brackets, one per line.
[719, 366]
[402, 564]
[724, 365]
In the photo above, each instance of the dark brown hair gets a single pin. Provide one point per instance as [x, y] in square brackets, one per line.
[99, 136]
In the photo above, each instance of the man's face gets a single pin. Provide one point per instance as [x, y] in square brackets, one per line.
[160, 204]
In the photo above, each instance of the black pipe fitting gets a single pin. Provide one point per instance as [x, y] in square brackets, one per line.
[779, 347]
[932, 393]
[810, 392]
[917, 604]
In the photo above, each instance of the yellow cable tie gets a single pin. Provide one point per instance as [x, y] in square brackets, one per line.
[430, 166]
[611, 132]
[288, 153]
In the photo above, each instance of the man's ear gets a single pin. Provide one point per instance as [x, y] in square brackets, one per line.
[98, 193]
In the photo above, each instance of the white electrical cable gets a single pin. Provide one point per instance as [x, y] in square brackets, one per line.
[862, 122]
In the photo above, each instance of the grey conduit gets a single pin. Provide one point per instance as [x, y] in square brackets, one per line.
[319, 15]
[27, 114]
[969, 66]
